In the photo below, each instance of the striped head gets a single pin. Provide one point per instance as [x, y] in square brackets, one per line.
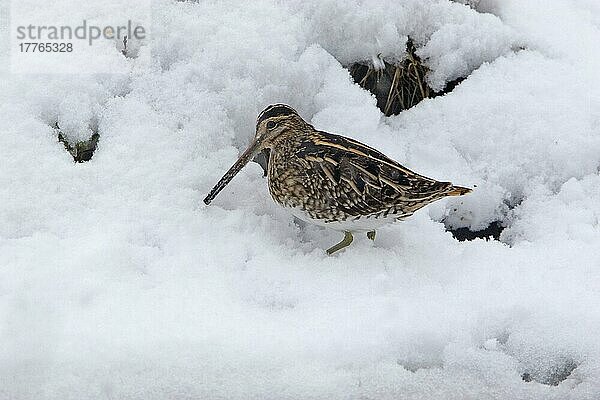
[275, 119]
[270, 124]
[271, 120]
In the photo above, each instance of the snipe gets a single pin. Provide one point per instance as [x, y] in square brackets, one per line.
[331, 180]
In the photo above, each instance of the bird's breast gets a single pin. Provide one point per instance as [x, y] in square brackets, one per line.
[287, 182]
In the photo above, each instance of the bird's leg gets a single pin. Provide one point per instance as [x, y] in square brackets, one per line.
[371, 234]
[344, 243]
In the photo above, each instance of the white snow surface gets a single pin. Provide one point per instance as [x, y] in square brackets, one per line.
[116, 282]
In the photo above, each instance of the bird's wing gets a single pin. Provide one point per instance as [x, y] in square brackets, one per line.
[364, 181]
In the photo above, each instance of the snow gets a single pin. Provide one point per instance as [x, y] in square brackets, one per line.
[117, 282]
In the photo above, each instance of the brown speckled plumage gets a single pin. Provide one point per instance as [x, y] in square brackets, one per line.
[331, 179]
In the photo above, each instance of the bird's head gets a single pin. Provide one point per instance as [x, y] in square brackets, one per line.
[275, 120]
[271, 123]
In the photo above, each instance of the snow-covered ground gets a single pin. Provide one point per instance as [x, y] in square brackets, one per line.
[117, 282]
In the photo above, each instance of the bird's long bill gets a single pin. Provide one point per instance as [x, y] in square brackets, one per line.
[235, 168]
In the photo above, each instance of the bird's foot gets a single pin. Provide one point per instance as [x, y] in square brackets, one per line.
[344, 243]
[371, 234]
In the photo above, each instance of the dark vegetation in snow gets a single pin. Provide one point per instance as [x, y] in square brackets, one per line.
[398, 87]
[80, 151]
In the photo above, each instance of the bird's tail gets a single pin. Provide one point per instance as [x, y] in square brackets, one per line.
[457, 191]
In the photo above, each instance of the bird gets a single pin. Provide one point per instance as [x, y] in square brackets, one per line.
[331, 180]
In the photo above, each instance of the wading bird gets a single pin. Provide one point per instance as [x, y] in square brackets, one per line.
[331, 180]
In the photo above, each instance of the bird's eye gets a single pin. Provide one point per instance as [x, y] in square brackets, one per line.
[271, 125]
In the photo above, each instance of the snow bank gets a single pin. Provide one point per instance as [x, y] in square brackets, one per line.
[116, 282]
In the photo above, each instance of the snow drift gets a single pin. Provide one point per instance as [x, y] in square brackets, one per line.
[116, 282]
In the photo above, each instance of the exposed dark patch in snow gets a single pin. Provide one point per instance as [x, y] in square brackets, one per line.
[398, 86]
[553, 376]
[81, 151]
[493, 231]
